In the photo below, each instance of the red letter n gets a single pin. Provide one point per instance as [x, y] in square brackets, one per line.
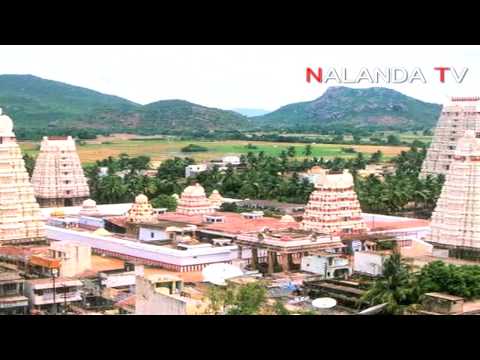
[317, 76]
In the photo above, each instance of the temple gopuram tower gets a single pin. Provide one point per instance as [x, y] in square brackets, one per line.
[461, 114]
[333, 207]
[216, 199]
[58, 177]
[456, 219]
[194, 201]
[20, 217]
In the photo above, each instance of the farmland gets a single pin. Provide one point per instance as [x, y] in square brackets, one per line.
[162, 148]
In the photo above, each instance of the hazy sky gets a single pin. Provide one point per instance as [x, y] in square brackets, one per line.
[235, 76]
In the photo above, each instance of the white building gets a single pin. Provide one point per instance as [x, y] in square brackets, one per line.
[193, 170]
[231, 160]
[369, 262]
[44, 293]
[328, 265]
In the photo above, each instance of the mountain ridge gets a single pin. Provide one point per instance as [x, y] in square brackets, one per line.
[38, 104]
[374, 107]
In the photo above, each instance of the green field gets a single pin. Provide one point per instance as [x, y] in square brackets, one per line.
[161, 149]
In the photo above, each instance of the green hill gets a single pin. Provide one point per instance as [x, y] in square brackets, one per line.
[45, 107]
[340, 107]
[39, 106]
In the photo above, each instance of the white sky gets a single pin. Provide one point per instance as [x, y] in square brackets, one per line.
[229, 77]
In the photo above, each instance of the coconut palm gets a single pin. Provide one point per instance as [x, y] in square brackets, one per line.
[395, 288]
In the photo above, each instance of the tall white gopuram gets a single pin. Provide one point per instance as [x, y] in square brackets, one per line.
[456, 219]
[58, 178]
[20, 217]
[461, 114]
[333, 207]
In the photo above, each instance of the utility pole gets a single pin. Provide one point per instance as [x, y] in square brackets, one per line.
[54, 299]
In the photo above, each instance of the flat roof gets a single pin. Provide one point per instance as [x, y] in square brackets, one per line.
[101, 264]
[47, 282]
[234, 223]
[445, 296]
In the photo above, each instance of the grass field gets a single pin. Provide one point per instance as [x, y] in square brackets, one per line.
[162, 149]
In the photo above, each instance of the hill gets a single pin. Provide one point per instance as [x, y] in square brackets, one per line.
[40, 106]
[45, 107]
[340, 107]
[180, 114]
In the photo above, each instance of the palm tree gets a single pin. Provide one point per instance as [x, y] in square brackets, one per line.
[395, 288]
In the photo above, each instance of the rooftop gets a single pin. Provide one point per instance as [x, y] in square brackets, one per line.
[58, 281]
[444, 296]
[102, 264]
[234, 223]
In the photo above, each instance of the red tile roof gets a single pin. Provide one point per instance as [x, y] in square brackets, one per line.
[234, 223]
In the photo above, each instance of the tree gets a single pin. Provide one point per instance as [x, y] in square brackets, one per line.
[164, 201]
[456, 280]
[248, 299]
[308, 150]
[376, 157]
[111, 190]
[395, 287]
[393, 140]
[29, 163]
[291, 152]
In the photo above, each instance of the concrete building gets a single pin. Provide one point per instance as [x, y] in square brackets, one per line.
[44, 294]
[231, 160]
[194, 170]
[459, 115]
[163, 295]
[20, 217]
[285, 246]
[333, 207]
[12, 300]
[456, 219]
[313, 174]
[444, 304]
[327, 265]
[58, 178]
[75, 258]
[369, 262]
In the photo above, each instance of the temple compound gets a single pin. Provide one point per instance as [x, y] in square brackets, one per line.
[333, 207]
[194, 201]
[456, 219]
[20, 217]
[461, 114]
[58, 177]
